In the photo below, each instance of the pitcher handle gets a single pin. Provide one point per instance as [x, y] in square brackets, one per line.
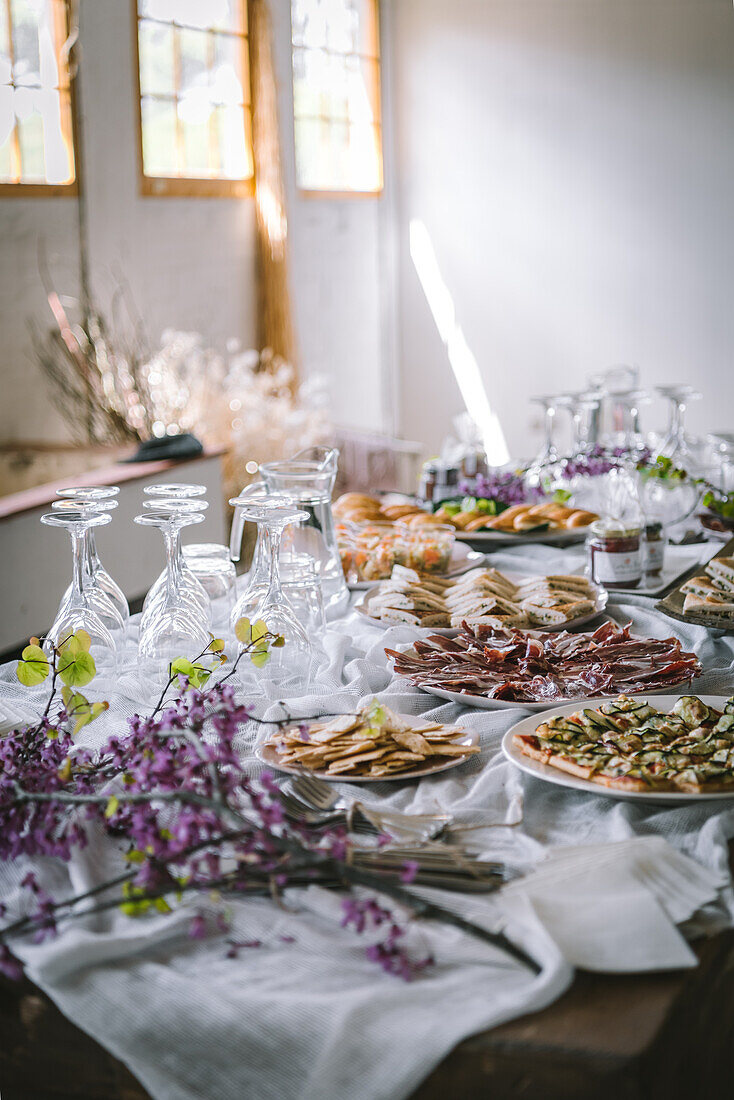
[253, 490]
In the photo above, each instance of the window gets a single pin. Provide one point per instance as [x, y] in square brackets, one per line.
[36, 145]
[195, 120]
[336, 95]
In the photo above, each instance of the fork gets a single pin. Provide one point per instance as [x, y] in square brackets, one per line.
[301, 811]
[322, 796]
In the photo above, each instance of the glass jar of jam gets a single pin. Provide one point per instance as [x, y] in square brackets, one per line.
[654, 555]
[615, 554]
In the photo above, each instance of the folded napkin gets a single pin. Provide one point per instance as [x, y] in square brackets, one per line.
[614, 908]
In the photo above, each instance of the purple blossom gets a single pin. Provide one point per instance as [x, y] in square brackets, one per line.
[197, 928]
[9, 965]
[409, 871]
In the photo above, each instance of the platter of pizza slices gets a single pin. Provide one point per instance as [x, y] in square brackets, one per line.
[673, 749]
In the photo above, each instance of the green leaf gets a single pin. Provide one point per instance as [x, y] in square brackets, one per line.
[182, 667]
[113, 805]
[162, 905]
[278, 642]
[64, 772]
[33, 667]
[259, 630]
[216, 645]
[74, 644]
[76, 668]
[259, 657]
[135, 856]
[243, 630]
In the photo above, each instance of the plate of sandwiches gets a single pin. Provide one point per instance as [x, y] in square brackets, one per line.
[679, 749]
[374, 745]
[483, 597]
[706, 599]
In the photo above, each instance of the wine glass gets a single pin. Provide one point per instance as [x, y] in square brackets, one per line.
[677, 446]
[174, 489]
[211, 566]
[291, 663]
[98, 575]
[174, 626]
[191, 587]
[77, 611]
[100, 600]
[549, 451]
[259, 574]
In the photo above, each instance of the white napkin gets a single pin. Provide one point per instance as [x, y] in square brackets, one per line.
[613, 908]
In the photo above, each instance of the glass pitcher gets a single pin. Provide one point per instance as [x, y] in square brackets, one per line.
[309, 483]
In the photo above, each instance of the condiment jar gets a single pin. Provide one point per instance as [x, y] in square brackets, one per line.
[615, 554]
[654, 555]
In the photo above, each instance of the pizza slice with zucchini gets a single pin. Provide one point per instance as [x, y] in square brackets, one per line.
[629, 745]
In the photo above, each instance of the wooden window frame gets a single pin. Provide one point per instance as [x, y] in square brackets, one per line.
[335, 193]
[187, 186]
[46, 190]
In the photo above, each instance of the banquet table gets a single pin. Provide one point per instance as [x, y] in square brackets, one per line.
[622, 1007]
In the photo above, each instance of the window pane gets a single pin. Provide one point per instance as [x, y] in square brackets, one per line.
[308, 21]
[368, 38]
[25, 23]
[159, 137]
[230, 78]
[196, 147]
[193, 49]
[7, 120]
[363, 90]
[226, 15]
[30, 133]
[235, 142]
[156, 59]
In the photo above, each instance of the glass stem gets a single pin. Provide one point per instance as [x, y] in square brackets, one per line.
[78, 554]
[173, 550]
[274, 593]
[550, 413]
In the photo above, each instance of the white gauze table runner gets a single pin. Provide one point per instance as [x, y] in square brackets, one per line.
[608, 885]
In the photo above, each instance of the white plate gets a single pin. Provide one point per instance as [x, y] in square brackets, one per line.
[462, 560]
[502, 538]
[482, 702]
[561, 779]
[269, 756]
[602, 598]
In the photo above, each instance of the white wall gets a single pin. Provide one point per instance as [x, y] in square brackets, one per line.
[190, 262]
[573, 163]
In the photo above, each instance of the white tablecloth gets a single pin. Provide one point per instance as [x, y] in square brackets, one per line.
[314, 1018]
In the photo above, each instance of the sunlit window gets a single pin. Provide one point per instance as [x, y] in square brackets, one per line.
[336, 95]
[194, 97]
[36, 147]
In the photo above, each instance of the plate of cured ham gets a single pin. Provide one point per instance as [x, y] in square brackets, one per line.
[494, 669]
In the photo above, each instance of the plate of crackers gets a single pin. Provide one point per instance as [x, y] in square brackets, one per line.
[679, 749]
[375, 745]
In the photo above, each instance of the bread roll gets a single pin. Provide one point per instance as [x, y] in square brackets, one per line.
[581, 519]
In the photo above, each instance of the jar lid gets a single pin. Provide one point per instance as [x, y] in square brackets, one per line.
[614, 529]
[655, 528]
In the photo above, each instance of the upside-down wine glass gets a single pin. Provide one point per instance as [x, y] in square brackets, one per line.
[99, 599]
[98, 575]
[191, 587]
[174, 626]
[259, 575]
[291, 664]
[77, 612]
[677, 446]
